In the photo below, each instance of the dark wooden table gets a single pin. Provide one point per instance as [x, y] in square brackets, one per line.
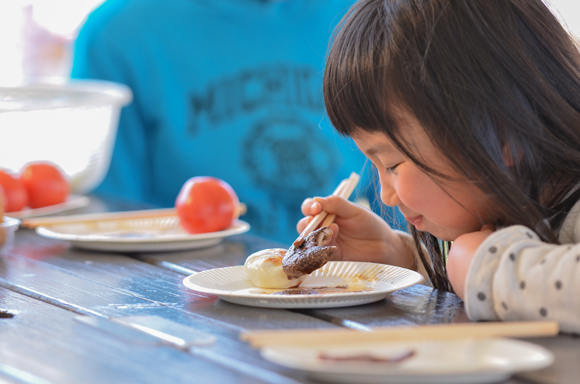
[48, 289]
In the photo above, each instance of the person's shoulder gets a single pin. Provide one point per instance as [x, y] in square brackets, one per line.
[113, 13]
[120, 20]
[107, 11]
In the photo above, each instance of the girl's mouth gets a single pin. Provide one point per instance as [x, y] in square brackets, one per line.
[415, 220]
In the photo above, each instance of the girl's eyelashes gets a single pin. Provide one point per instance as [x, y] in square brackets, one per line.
[391, 169]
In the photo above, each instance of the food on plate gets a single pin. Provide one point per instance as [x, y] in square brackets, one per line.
[323, 290]
[312, 254]
[279, 268]
[368, 358]
[15, 193]
[264, 268]
[206, 204]
[45, 184]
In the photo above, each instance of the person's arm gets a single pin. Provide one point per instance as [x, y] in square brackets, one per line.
[515, 276]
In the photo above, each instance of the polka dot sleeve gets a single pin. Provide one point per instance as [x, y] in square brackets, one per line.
[515, 276]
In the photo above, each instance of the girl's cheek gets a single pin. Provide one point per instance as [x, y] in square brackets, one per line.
[412, 191]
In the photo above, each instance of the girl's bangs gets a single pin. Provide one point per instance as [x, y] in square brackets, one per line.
[357, 91]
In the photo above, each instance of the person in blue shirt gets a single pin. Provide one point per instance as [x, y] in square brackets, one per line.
[223, 88]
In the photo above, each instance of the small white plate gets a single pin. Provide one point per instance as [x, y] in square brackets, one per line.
[364, 282]
[8, 227]
[72, 202]
[452, 361]
[146, 234]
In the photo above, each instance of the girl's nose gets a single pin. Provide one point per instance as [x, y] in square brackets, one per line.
[389, 195]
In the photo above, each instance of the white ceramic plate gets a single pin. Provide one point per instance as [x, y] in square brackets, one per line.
[445, 362]
[147, 234]
[365, 283]
[8, 227]
[72, 202]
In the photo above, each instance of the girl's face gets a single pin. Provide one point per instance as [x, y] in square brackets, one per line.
[444, 208]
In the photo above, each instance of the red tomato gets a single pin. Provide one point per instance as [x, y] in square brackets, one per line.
[2, 203]
[14, 192]
[45, 184]
[206, 204]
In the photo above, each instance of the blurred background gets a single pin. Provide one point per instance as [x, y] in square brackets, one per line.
[36, 41]
[36, 36]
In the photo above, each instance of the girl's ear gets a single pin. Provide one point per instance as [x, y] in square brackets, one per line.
[508, 155]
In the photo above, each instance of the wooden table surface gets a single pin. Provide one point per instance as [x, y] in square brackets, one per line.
[48, 288]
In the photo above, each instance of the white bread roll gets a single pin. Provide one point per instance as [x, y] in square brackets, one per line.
[264, 268]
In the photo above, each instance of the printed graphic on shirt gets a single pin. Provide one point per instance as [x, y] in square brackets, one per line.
[284, 153]
[254, 89]
[287, 156]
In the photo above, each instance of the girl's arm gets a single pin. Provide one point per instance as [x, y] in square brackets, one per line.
[515, 276]
[461, 254]
[360, 234]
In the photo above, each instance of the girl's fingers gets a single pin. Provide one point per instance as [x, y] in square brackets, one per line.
[335, 230]
[311, 207]
[332, 204]
[303, 223]
[338, 206]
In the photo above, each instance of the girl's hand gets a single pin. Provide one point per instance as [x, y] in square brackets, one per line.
[461, 254]
[359, 234]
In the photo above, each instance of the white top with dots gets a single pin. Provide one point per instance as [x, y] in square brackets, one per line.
[515, 276]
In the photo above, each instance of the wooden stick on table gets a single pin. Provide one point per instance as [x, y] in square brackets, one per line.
[105, 216]
[335, 337]
[344, 190]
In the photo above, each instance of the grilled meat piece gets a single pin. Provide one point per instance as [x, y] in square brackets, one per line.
[310, 255]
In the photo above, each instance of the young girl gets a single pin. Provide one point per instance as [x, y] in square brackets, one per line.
[470, 112]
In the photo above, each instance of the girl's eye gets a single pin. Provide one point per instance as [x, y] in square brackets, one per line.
[391, 169]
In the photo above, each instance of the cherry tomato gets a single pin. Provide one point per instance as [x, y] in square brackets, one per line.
[45, 184]
[2, 203]
[15, 193]
[206, 204]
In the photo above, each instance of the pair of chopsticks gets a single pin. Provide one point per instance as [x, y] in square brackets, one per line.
[344, 190]
[97, 217]
[380, 335]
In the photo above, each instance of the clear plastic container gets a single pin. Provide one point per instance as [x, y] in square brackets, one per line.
[71, 124]
[7, 229]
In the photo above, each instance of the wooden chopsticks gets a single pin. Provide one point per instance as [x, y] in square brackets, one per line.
[380, 335]
[95, 217]
[344, 190]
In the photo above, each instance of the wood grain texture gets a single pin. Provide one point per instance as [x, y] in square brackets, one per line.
[50, 283]
[44, 344]
[101, 284]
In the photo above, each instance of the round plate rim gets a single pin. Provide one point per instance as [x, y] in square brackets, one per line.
[73, 201]
[273, 355]
[293, 301]
[238, 227]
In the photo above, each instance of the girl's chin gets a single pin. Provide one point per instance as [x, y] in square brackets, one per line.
[446, 234]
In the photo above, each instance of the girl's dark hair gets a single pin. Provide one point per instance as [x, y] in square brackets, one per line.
[487, 80]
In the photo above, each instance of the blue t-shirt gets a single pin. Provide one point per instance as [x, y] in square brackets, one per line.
[223, 88]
